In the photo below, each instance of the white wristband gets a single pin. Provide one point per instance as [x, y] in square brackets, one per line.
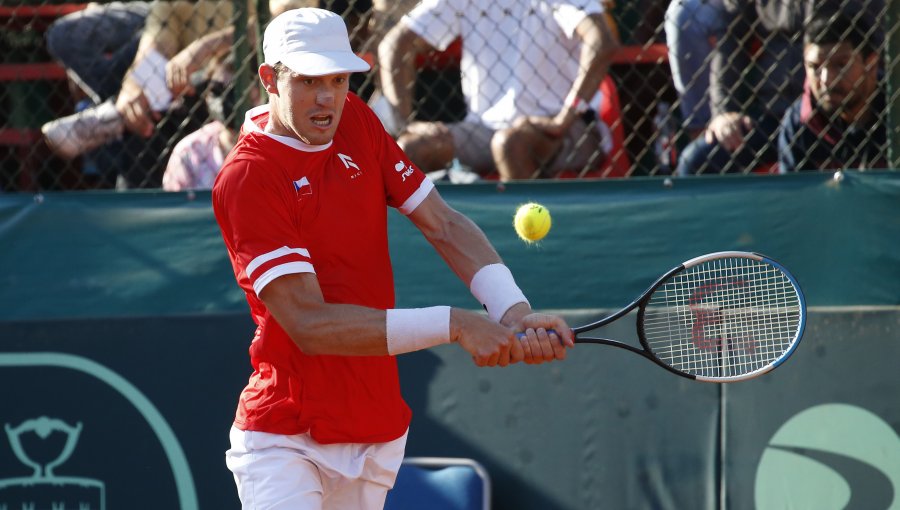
[413, 329]
[494, 287]
[574, 102]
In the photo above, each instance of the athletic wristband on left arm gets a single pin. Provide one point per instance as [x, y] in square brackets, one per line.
[494, 287]
[414, 329]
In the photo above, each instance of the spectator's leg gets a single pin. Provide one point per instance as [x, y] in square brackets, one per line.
[691, 29]
[472, 146]
[700, 157]
[759, 149]
[428, 144]
[584, 148]
[97, 45]
[521, 150]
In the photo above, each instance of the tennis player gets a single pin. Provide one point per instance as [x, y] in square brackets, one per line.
[301, 201]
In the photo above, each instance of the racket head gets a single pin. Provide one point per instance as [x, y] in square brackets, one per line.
[723, 317]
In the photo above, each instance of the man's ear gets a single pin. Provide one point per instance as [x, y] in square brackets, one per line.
[268, 78]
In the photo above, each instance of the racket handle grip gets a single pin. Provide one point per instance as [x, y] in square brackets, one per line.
[522, 335]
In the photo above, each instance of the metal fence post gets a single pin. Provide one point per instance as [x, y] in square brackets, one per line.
[892, 67]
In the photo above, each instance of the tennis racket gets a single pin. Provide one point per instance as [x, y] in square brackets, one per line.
[722, 317]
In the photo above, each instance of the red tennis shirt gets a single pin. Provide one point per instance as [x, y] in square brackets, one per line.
[286, 207]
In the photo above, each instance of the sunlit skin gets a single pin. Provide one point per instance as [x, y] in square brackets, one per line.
[307, 108]
[840, 78]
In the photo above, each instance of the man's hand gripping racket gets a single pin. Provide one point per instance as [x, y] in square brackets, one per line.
[721, 317]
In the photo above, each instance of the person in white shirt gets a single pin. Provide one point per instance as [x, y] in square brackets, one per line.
[530, 75]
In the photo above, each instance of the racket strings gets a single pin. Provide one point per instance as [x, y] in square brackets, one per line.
[723, 318]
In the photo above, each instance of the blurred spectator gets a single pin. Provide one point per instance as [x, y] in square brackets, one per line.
[188, 34]
[198, 157]
[180, 38]
[530, 76]
[157, 100]
[386, 14]
[756, 67]
[97, 45]
[357, 16]
[692, 29]
[649, 23]
[839, 122]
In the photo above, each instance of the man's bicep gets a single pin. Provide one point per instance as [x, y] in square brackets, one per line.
[286, 295]
[257, 220]
[431, 214]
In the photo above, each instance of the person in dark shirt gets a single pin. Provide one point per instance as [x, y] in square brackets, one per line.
[755, 72]
[839, 121]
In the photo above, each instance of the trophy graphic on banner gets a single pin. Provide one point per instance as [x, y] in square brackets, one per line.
[43, 489]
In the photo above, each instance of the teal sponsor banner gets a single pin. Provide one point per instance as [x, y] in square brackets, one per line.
[123, 348]
[822, 431]
[120, 413]
[107, 254]
[134, 413]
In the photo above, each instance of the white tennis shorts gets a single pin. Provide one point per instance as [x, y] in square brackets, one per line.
[278, 472]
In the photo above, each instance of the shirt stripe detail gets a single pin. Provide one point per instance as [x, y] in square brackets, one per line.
[281, 270]
[417, 197]
[274, 254]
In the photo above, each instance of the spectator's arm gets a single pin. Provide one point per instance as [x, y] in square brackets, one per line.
[598, 45]
[194, 57]
[397, 57]
[729, 59]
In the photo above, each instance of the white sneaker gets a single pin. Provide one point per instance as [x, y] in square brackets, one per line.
[71, 136]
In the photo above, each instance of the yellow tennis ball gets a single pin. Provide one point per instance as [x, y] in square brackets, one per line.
[532, 222]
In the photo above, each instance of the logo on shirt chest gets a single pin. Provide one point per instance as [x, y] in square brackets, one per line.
[350, 165]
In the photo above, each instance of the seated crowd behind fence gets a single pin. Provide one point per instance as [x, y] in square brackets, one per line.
[481, 91]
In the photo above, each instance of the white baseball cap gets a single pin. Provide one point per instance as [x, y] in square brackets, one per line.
[311, 42]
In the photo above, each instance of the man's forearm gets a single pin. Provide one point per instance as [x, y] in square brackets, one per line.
[464, 247]
[597, 49]
[211, 45]
[396, 55]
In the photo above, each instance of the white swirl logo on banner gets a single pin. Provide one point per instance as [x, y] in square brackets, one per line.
[831, 456]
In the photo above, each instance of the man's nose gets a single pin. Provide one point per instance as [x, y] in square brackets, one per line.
[325, 97]
[826, 75]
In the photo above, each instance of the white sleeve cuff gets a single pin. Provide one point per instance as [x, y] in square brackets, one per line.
[494, 287]
[417, 197]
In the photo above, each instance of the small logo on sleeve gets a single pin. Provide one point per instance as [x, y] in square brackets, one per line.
[406, 170]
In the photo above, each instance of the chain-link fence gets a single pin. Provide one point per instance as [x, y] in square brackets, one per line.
[150, 94]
